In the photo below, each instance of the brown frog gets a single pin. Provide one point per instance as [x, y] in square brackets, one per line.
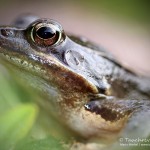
[94, 94]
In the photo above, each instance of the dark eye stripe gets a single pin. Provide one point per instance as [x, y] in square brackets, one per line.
[108, 110]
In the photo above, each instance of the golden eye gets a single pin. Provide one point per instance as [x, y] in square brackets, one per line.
[46, 33]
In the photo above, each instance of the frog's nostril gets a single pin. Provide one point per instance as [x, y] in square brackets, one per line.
[6, 32]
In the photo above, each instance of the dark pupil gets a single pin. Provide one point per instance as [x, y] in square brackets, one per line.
[45, 33]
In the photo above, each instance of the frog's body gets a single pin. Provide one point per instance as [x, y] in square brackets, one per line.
[93, 91]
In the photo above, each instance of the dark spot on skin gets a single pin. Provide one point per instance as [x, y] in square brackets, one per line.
[102, 90]
[106, 111]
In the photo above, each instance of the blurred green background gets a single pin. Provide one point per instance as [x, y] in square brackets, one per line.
[132, 10]
[121, 26]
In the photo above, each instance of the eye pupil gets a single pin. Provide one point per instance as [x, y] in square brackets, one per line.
[45, 32]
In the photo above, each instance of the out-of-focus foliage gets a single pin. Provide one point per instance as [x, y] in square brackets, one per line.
[132, 10]
[23, 125]
[49, 143]
[16, 116]
[15, 124]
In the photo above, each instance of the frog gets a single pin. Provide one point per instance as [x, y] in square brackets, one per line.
[94, 94]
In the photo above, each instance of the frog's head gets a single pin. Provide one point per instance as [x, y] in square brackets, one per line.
[44, 48]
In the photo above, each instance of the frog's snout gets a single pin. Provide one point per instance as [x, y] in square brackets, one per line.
[9, 37]
[6, 37]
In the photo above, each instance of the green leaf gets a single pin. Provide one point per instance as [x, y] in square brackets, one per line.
[49, 143]
[15, 124]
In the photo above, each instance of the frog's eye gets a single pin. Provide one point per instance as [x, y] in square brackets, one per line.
[46, 33]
